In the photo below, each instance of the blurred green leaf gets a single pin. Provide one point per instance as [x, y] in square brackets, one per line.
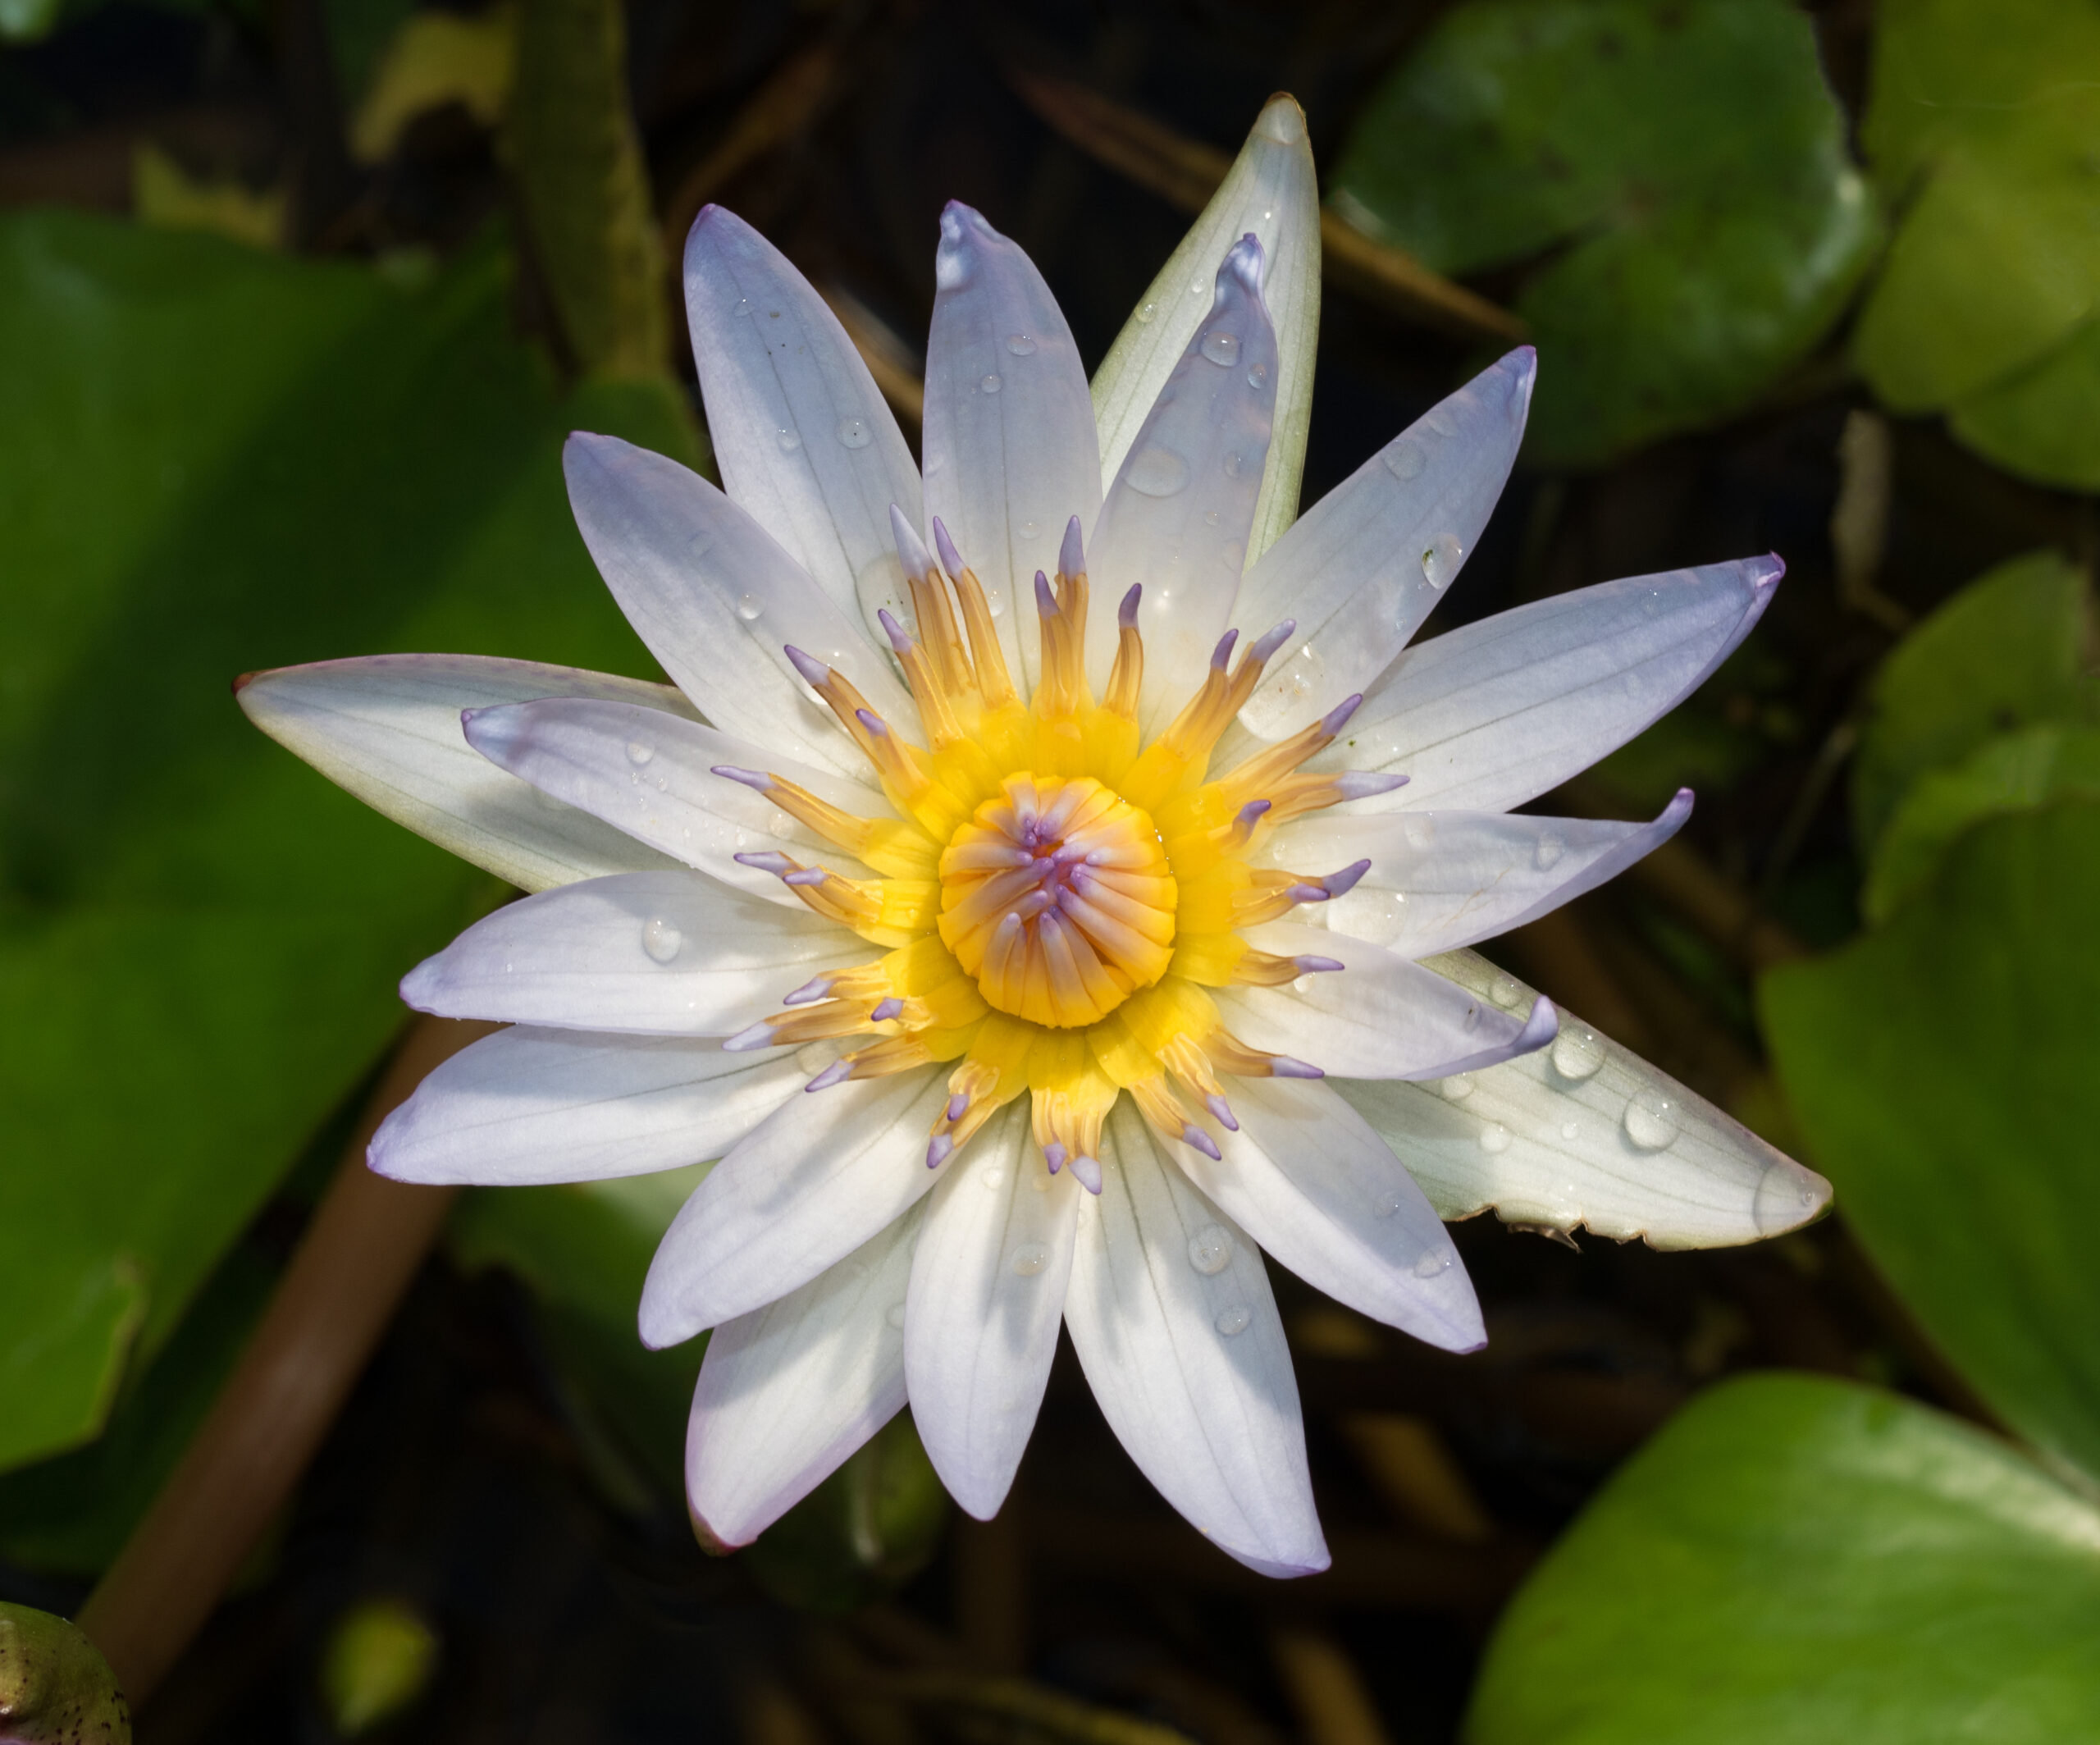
[1799, 1559]
[218, 460]
[379, 1658]
[2012, 773]
[1942, 1069]
[1681, 165]
[2007, 651]
[1980, 126]
[865, 1531]
[585, 1249]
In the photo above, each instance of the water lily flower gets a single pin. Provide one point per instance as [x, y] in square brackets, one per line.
[1046, 884]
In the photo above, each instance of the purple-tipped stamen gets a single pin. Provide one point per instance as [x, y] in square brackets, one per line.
[1216, 1105]
[1340, 883]
[770, 861]
[1086, 1171]
[814, 988]
[911, 550]
[836, 1073]
[1319, 965]
[813, 670]
[1223, 652]
[875, 724]
[1274, 640]
[898, 640]
[805, 875]
[1193, 1136]
[1360, 784]
[1046, 601]
[757, 779]
[1307, 893]
[951, 559]
[759, 1035]
[1337, 717]
[888, 1009]
[958, 1105]
[1283, 1066]
[1071, 555]
[939, 1148]
[1054, 1155]
[1126, 614]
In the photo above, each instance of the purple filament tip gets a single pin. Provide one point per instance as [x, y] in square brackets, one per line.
[1319, 965]
[1193, 1136]
[958, 1105]
[1337, 717]
[1054, 1155]
[1340, 883]
[1071, 555]
[814, 988]
[951, 559]
[836, 1073]
[1283, 1066]
[770, 861]
[888, 1009]
[1126, 614]
[1086, 1171]
[939, 1148]
[1360, 784]
[1223, 652]
[895, 632]
[1216, 1105]
[1046, 601]
[758, 1036]
[805, 875]
[872, 722]
[1273, 640]
[757, 779]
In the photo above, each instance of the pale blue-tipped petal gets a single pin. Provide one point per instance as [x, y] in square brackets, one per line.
[1010, 447]
[1271, 190]
[1361, 571]
[1189, 1362]
[655, 779]
[1498, 712]
[1441, 880]
[788, 1392]
[1176, 517]
[1585, 1133]
[1379, 1016]
[718, 602]
[386, 729]
[527, 1106]
[804, 442]
[815, 1181]
[667, 953]
[988, 1294]
[1310, 1181]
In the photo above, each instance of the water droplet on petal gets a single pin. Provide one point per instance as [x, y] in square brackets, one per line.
[1221, 347]
[1210, 518]
[1197, 287]
[1421, 833]
[854, 432]
[1550, 846]
[1029, 529]
[1494, 1139]
[1569, 1129]
[661, 939]
[990, 385]
[780, 827]
[895, 1316]
[1029, 1258]
[1433, 1261]
[1146, 311]
[1235, 1321]
[1651, 1121]
[1210, 1249]
[1458, 1087]
[788, 440]
[994, 1179]
[1440, 561]
[749, 607]
[1021, 345]
[1157, 472]
[1258, 375]
[1506, 992]
[1406, 458]
[1233, 463]
[639, 753]
[742, 306]
[1577, 1052]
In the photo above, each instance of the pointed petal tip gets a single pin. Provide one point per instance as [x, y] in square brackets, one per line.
[1540, 1028]
[1772, 578]
[1282, 119]
[242, 680]
[1671, 817]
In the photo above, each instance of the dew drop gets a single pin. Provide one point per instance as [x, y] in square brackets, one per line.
[1210, 1249]
[854, 432]
[1301, 985]
[750, 607]
[639, 753]
[1651, 1121]
[1569, 1129]
[990, 385]
[661, 939]
[1546, 854]
[1221, 347]
[1494, 1139]
[1029, 1258]
[1210, 518]
[1258, 375]
[1157, 472]
[1506, 992]
[1029, 529]
[813, 1056]
[1433, 1261]
[780, 827]
[1441, 559]
[895, 1316]
[742, 306]
[1388, 1204]
[994, 1179]
[1421, 833]
[1577, 1052]
[1021, 345]
[1458, 1087]
[1197, 287]
[1147, 311]
[1235, 1321]
[995, 601]
[1233, 463]
[1405, 459]
[788, 440]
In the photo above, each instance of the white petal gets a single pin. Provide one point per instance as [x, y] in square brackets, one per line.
[1312, 1184]
[386, 729]
[817, 1180]
[1497, 712]
[527, 1106]
[1270, 190]
[1379, 1016]
[718, 602]
[1010, 447]
[1586, 1133]
[1441, 880]
[1361, 571]
[803, 441]
[655, 779]
[1188, 1359]
[666, 953]
[1176, 517]
[788, 1392]
[988, 1292]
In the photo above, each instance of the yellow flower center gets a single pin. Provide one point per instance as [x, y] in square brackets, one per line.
[1056, 896]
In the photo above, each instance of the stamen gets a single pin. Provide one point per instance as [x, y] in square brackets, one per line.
[1266, 769]
[935, 708]
[1263, 969]
[1275, 893]
[994, 684]
[1127, 677]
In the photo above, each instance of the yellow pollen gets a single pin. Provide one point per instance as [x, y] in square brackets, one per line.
[1057, 897]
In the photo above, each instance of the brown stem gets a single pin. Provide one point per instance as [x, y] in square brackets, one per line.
[366, 1240]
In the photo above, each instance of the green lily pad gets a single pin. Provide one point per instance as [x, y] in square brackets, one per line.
[219, 460]
[2008, 652]
[1942, 1069]
[1981, 131]
[1798, 1560]
[1696, 243]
